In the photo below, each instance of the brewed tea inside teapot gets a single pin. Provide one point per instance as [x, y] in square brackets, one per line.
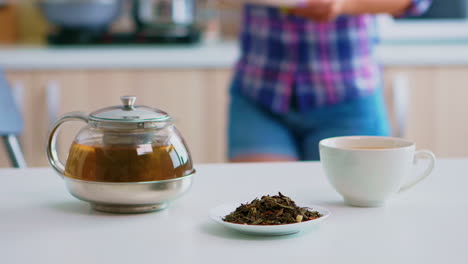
[126, 143]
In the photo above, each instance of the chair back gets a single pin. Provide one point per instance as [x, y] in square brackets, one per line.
[11, 121]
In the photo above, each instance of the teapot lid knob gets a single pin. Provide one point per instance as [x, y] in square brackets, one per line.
[128, 101]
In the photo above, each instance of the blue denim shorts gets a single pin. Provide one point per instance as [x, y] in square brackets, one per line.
[254, 130]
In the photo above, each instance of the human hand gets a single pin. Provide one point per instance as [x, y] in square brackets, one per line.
[319, 10]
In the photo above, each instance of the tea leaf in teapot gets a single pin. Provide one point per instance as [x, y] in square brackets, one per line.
[271, 210]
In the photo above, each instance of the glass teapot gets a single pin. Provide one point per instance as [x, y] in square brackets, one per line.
[126, 143]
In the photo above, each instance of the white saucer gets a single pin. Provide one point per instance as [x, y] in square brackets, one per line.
[220, 211]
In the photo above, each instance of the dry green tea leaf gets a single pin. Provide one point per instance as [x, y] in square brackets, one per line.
[271, 210]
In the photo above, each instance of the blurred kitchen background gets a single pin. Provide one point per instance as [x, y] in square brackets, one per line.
[68, 55]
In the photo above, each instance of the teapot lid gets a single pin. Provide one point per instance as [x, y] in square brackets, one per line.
[128, 115]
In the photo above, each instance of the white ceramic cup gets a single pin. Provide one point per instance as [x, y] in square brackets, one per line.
[367, 170]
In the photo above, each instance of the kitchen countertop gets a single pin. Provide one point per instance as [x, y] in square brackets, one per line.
[41, 223]
[219, 55]
[213, 55]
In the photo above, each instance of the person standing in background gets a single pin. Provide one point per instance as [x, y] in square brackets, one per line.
[307, 71]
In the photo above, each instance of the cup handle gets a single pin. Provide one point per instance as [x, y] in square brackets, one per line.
[52, 154]
[418, 155]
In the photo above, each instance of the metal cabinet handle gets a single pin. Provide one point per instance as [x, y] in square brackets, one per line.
[400, 91]
[18, 94]
[53, 100]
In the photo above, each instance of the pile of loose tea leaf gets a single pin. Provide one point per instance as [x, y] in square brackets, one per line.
[271, 210]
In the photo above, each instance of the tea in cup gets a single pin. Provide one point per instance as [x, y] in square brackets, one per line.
[367, 170]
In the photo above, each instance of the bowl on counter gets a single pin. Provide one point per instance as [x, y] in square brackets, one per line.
[94, 15]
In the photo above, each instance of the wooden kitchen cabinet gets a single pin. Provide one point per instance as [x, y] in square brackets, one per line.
[197, 100]
[437, 116]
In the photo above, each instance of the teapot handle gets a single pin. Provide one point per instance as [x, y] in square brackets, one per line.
[52, 154]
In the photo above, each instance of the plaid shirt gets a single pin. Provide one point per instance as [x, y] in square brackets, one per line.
[318, 63]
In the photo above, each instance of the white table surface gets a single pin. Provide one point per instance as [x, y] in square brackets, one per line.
[41, 223]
